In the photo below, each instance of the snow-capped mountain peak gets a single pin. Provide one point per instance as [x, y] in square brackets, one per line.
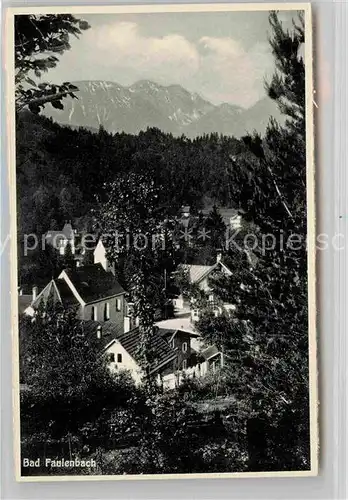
[147, 104]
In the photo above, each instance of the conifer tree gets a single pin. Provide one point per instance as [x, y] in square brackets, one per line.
[271, 374]
[216, 227]
[135, 224]
[68, 259]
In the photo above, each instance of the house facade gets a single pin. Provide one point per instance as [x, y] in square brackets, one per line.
[122, 354]
[94, 292]
[60, 239]
[168, 366]
[180, 341]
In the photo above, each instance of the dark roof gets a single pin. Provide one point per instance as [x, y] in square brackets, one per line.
[109, 331]
[164, 353]
[198, 272]
[57, 291]
[93, 282]
[68, 298]
[24, 301]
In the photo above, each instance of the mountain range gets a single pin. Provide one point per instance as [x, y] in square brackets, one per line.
[172, 109]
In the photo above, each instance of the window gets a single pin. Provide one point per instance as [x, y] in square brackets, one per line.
[118, 304]
[195, 313]
[119, 358]
[184, 347]
[94, 313]
[106, 311]
[184, 364]
[111, 357]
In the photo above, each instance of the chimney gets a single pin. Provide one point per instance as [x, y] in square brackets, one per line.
[218, 257]
[35, 292]
[127, 322]
[99, 332]
[20, 291]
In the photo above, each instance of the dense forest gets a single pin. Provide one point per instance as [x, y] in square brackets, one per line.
[56, 183]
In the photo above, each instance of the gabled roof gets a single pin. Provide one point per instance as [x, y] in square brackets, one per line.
[68, 298]
[57, 291]
[111, 332]
[164, 353]
[198, 273]
[93, 283]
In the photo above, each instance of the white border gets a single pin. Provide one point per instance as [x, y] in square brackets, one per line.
[9, 65]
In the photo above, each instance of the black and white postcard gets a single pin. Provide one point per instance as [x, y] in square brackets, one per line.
[163, 241]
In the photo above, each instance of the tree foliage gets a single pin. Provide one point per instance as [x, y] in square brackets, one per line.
[216, 227]
[69, 385]
[39, 39]
[132, 217]
[271, 318]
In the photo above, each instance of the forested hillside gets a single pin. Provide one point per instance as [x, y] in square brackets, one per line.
[56, 183]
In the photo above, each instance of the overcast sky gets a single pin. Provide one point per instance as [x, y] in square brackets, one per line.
[224, 57]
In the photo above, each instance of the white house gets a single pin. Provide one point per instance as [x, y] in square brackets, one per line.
[60, 239]
[121, 349]
[94, 292]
